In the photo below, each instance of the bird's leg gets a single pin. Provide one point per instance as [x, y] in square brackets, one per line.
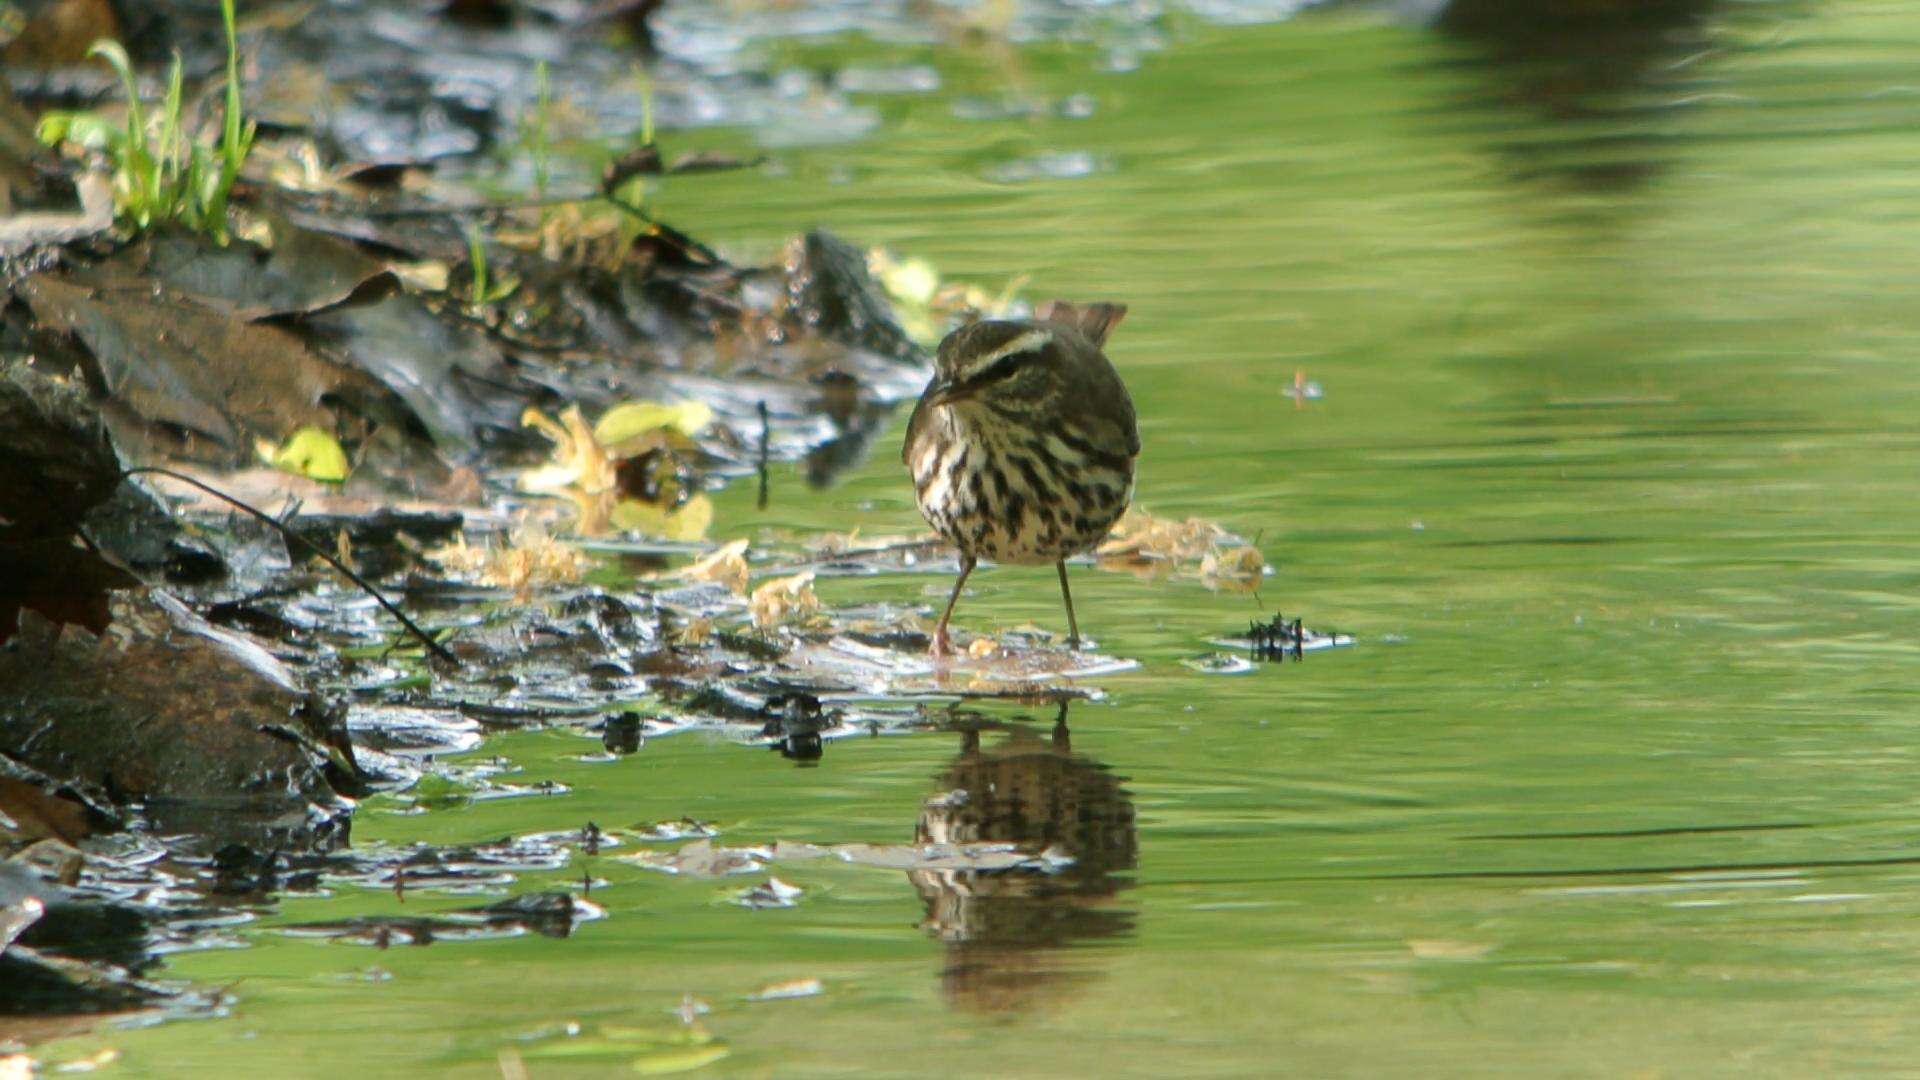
[941, 646]
[1073, 627]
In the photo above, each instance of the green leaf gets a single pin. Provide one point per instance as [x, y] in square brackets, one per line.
[634, 418]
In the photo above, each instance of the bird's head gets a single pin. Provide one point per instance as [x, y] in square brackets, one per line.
[1001, 361]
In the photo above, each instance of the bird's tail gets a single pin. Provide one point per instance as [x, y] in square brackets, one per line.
[1095, 320]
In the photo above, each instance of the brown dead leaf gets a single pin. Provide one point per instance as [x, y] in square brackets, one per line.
[176, 362]
[59, 579]
[28, 811]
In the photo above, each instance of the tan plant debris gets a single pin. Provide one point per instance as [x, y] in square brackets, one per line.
[530, 558]
[727, 564]
[784, 600]
[1234, 565]
[1141, 535]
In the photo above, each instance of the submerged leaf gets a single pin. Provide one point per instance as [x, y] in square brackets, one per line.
[689, 521]
[680, 1059]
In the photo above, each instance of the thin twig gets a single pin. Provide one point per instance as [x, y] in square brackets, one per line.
[766, 432]
[311, 548]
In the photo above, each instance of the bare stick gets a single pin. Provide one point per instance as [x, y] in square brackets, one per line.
[311, 548]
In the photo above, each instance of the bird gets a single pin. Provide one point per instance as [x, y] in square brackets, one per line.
[1022, 447]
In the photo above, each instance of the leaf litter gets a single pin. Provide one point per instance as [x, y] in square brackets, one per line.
[400, 384]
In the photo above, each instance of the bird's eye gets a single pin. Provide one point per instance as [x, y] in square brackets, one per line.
[1008, 358]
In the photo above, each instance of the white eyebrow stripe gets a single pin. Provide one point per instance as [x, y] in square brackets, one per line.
[1031, 341]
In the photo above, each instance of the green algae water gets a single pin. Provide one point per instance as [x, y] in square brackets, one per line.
[1612, 477]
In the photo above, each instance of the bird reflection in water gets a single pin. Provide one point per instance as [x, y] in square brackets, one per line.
[1007, 931]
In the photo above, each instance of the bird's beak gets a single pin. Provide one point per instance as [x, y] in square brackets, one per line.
[946, 392]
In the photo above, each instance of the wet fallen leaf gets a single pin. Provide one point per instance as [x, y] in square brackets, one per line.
[981, 648]
[289, 271]
[783, 600]
[309, 452]
[726, 564]
[28, 811]
[178, 363]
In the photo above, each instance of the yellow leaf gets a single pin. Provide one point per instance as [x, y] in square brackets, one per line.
[635, 418]
[429, 275]
[688, 521]
[308, 452]
[913, 280]
[579, 461]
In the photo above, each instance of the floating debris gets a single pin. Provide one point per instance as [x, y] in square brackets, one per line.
[549, 914]
[1278, 639]
[785, 991]
[1219, 663]
[772, 893]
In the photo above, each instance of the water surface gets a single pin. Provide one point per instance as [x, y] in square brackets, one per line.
[1613, 480]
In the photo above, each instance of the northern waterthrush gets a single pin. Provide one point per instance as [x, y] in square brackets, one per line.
[1022, 446]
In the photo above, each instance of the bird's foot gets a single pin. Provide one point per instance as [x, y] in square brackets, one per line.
[942, 645]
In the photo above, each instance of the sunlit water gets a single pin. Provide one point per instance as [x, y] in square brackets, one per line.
[1613, 479]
